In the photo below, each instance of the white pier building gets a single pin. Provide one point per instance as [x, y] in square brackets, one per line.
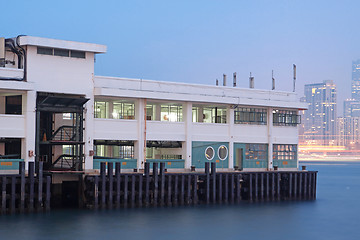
[54, 109]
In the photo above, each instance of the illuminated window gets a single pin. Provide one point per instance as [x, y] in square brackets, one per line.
[209, 114]
[171, 112]
[255, 151]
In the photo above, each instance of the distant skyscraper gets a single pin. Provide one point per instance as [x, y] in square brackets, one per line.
[351, 108]
[355, 83]
[320, 118]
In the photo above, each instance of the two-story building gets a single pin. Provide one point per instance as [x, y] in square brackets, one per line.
[54, 109]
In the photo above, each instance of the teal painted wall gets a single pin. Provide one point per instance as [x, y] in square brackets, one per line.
[285, 163]
[198, 154]
[169, 163]
[125, 163]
[248, 163]
[10, 164]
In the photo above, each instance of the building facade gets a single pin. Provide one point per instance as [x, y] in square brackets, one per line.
[54, 109]
[320, 118]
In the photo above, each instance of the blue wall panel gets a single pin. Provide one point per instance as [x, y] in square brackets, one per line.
[198, 154]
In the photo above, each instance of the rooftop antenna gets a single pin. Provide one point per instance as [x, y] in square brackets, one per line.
[224, 79]
[234, 79]
[294, 69]
[273, 80]
[251, 81]
[217, 82]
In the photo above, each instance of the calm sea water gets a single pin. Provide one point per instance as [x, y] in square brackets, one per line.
[334, 215]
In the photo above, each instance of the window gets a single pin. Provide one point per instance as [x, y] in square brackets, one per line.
[222, 152]
[255, 151]
[44, 51]
[13, 105]
[171, 113]
[284, 152]
[77, 54]
[61, 52]
[209, 153]
[123, 110]
[114, 109]
[250, 116]
[286, 118]
[101, 109]
[209, 114]
[123, 152]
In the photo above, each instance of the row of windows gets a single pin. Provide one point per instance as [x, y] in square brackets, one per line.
[252, 152]
[60, 52]
[173, 112]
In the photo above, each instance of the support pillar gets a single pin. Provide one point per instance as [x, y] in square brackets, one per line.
[139, 145]
[187, 113]
[28, 143]
[230, 121]
[270, 137]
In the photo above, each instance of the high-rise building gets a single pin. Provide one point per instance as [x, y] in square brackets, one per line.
[320, 118]
[351, 108]
[355, 83]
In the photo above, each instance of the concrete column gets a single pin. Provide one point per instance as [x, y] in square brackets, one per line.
[28, 143]
[139, 150]
[270, 137]
[187, 116]
[89, 132]
[230, 121]
[157, 112]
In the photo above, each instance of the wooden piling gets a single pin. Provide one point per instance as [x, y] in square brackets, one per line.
[32, 185]
[213, 180]
[182, 189]
[3, 195]
[226, 188]
[207, 182]
[118, 183]
[147, 183]
[48, 193]
[22, 186]
[96, 192]
[111, 188]
[126, 190]
[103, 184]
[40, 184]
[162, 183]
[133, 184]
[13, 194]
[220, 189]
[156, 183]
[232, 194]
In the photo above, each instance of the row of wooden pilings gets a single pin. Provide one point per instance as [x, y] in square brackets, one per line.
[162, 188]
[25, 193]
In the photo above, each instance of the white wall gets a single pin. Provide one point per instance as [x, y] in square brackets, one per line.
[115, 129]
[12, 126]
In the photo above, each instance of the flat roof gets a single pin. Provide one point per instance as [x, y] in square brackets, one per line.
[63, 44]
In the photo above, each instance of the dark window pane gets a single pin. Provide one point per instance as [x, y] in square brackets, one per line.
[61, 52]
[45, 51]
[77, 54]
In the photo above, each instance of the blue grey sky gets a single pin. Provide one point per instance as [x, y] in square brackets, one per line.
[197, 41]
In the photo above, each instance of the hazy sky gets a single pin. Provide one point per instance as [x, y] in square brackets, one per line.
[198, 41]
